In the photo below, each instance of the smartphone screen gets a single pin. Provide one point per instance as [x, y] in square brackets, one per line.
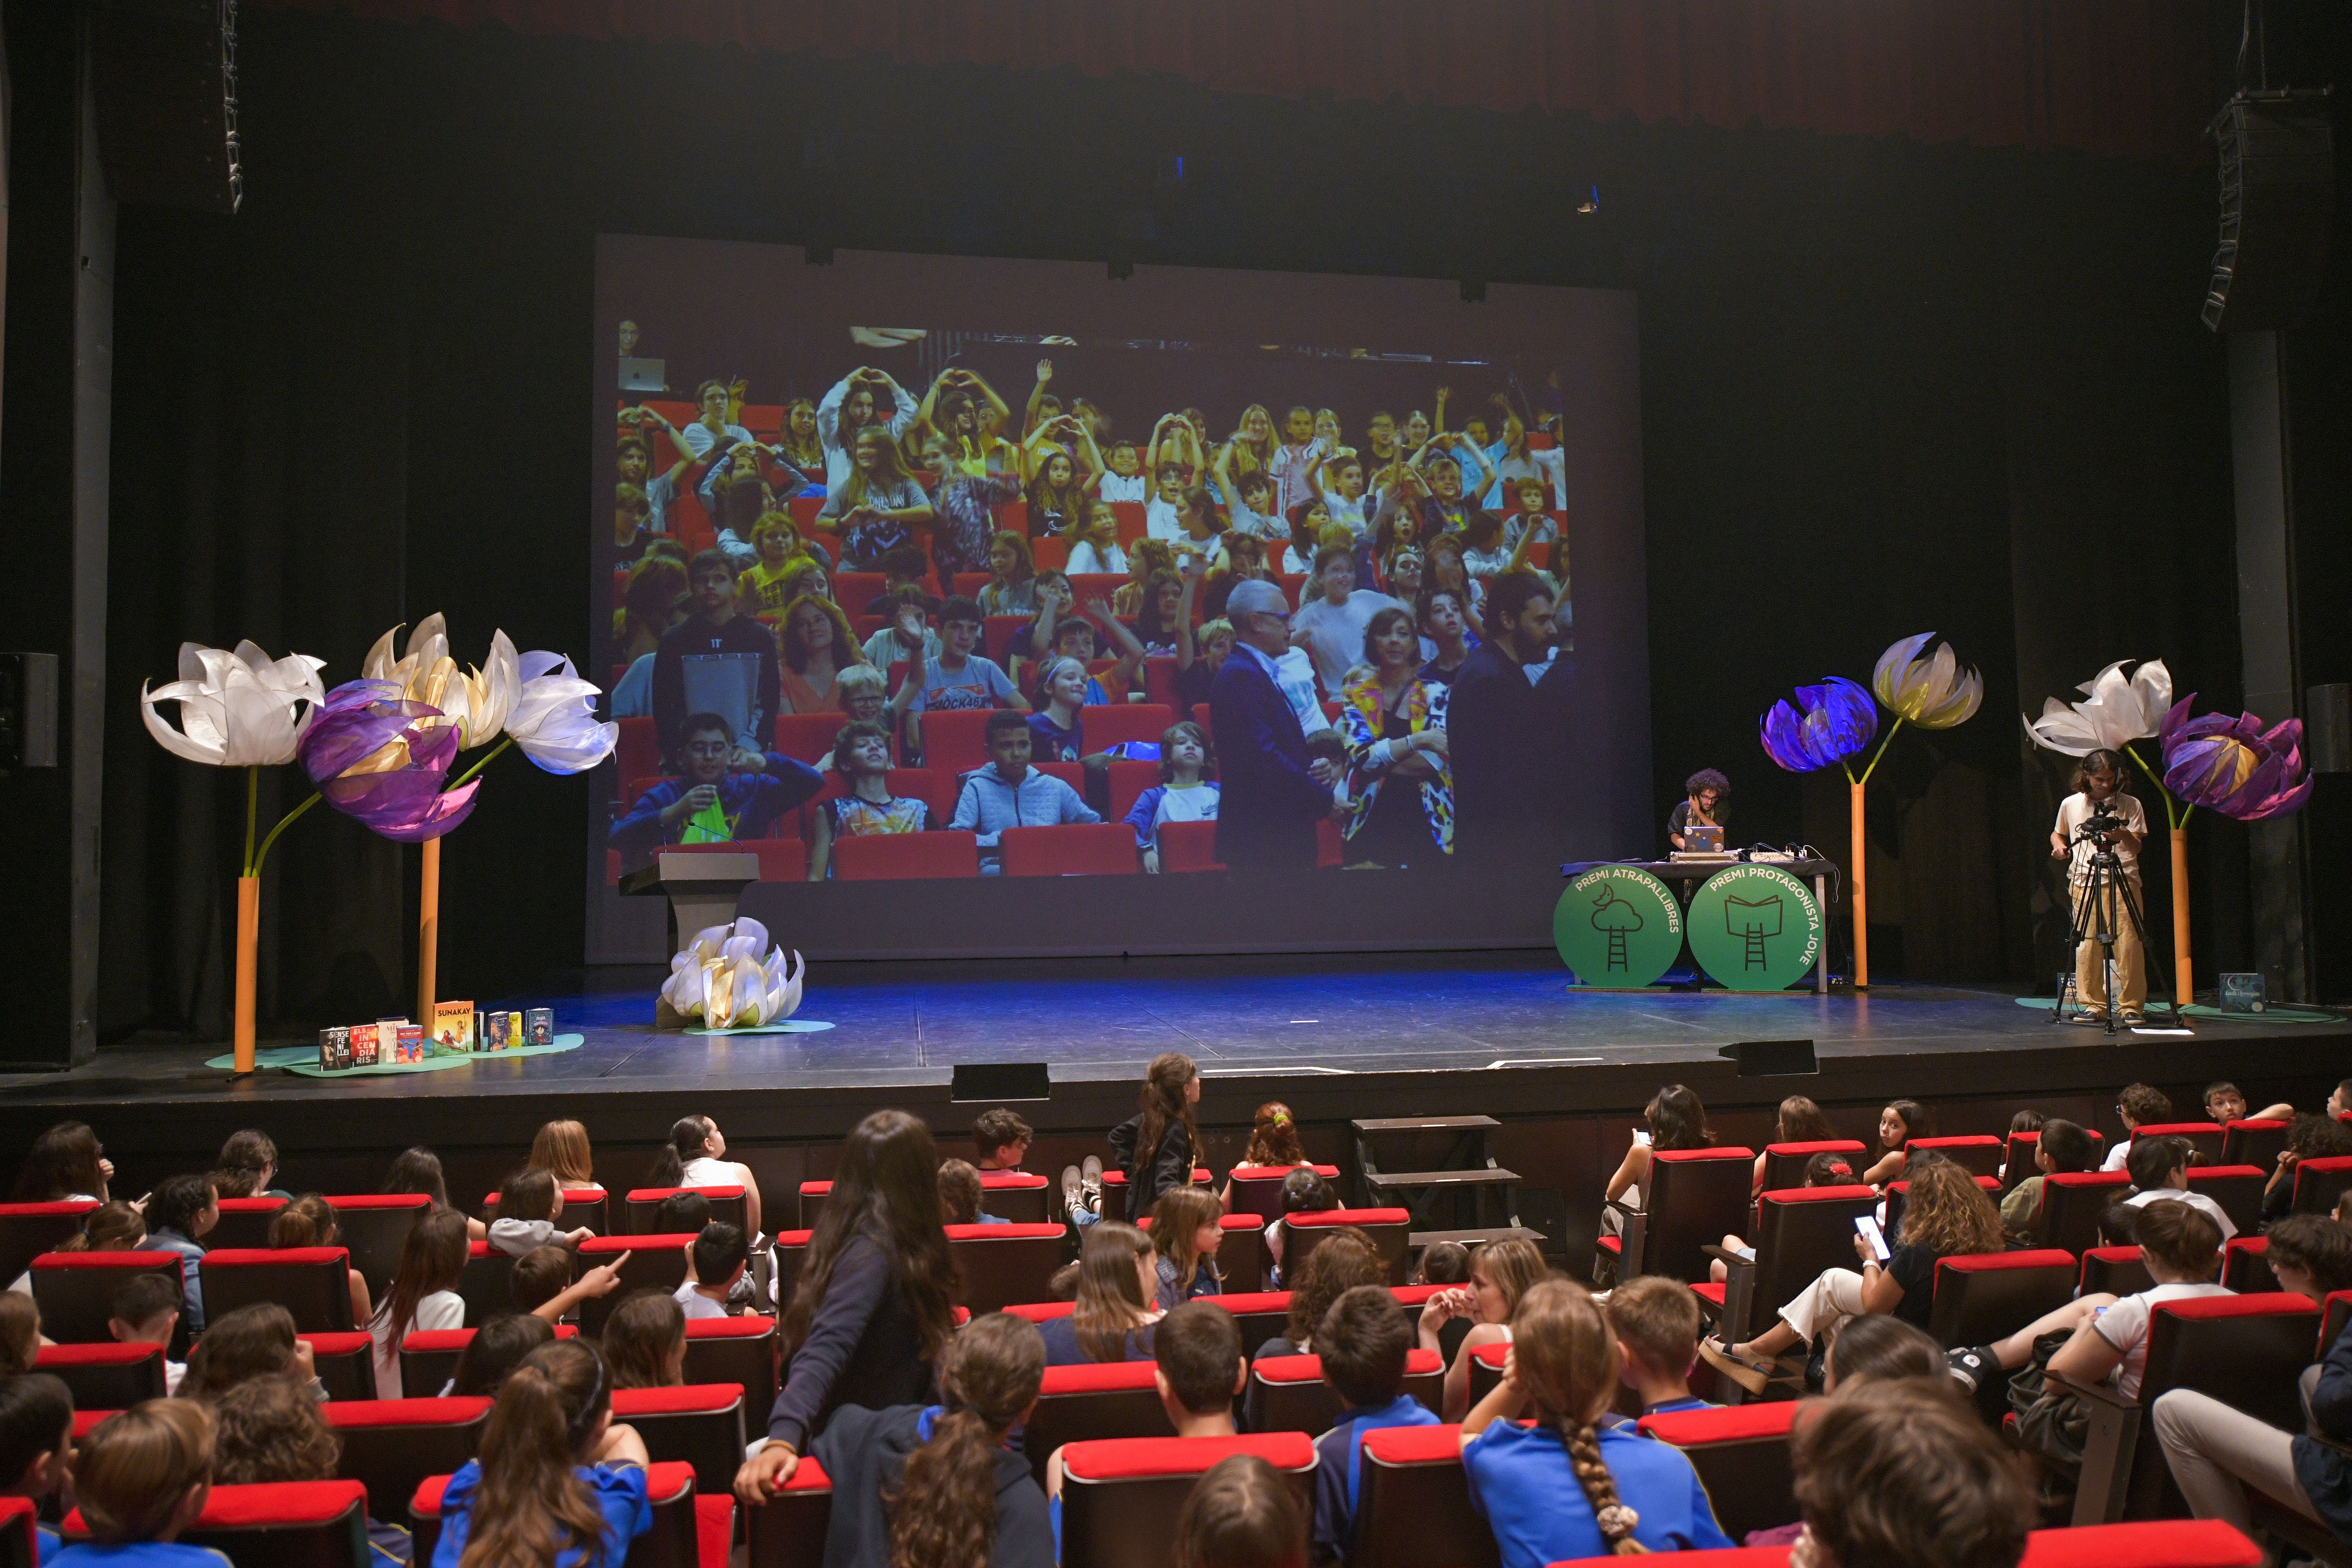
[1872, 1233]
[1642, 1136]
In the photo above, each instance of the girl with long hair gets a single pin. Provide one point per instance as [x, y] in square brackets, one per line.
[67, 1164]
[309, 1221]
[1095, 550]
[1569, 1486]
[1274, 1138]
[1501, 1274]
[1118, 1280]
[417, 1170]
[1240, 1513]
[248, 1164]
[424, 1292]
[937, 1486]
[798, 451]
[1945, 1214]
[252, 1342]
[1400, 781]
[1800, 1120]
[1012, 585]
[1158, 1146]
[1060, 491]
[558, 1484]
[1159, 603]
[1672, 1120]
[269, 1430]
[498, 1347]
[1186, 1227]
[1144, 557]
[818, 645]
[111, 1228]
[1187, 791]
[1443, 567]
[1342, 1260]
[562, 1148]
[1901, 1121]
[696, 1156]
[645, 1341]
[1250, 450]
[873, 1307]
[878, 505]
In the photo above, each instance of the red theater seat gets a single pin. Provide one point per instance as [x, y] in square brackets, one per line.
[1128, 782]
[374, 1227]
[998, 1264]
[788, 1530]
[1257, 1189]
[345, 1363]
[486, 1282]
[105, 1377]
[655, 1262]
[1189, 847]
[2208, 1138]
[1697, 1197]
[1487, 1369]
[76, 1290]
[2253, 1142]
[391, 1445]
[2319, 1183]
[2244, 1267]
[1261, 1315]
[28, 1230]
[1799, 1232]
[1412, 1504]
[2117, 1270]
[285, 1524]
[1979, 1155]
[639, 753]
[1134, 518]
[244, 1222]
[1984, 1297]
[1160, 686]
[588, 1208]
[726, 1204]
[1784, 1163]
[699, 1425]
[313, 1283]
[807, 737]
[792, 1246]
[1390, 1229]
[19, 1547]
[1121, 1499]
[1741, 1456]
[741, 1351]
[1099, 1400]
[1109, 725]
[1115, 1191]
[673, 1541]
[853, 591]
[1073, 849]
[2237, 1188]
[1287, 1393]
[2072, 1202]
[428, 1358]
[1020, 1196]
[888, 856]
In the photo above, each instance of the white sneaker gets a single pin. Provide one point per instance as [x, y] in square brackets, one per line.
[1091, 1180]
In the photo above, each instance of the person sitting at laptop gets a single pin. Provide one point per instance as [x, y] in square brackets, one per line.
[1709, 794]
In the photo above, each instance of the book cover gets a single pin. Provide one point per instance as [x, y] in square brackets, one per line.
[412, 1042]
[539, 1026]
[363, 1045]
[334, 1049]
[453, 1027]
[2244, 994]
[497, 1031]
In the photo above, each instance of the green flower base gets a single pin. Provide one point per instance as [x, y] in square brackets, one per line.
[303, 1060]
[781, 1027]
[2277, 1012]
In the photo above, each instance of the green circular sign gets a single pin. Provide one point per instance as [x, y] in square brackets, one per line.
[1617, 925]
[1755, 928]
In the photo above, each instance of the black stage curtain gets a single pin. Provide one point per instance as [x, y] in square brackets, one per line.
[1887, 387]
[2118, 77]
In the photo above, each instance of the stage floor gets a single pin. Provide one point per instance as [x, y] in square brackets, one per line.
[899, 1026]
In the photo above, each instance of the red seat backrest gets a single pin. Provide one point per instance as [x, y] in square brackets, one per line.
[1288, 1393]
[807, 737]
[638, 751]
[886, 857]
[105, 1377]
[287, 1524]
[1257, 1189]
[789, 1530]
[1742, 1454]
[1800, 1232]
[2206, 1137]
[655, 1262]
[1697, 1197]
[726, 1204]
[1984, 1297]
[1091, 1402]
[2237, 1188]
[2319, 1183]
[244, 1222]
[997, 1264]
[2246, 1269]
[2252, 1141]
[391, 1445]
[1121, 1499]
[853, 591]
[1979, 1154]
[76, 1290]
[2117, 1270]
[1160, 684]
[1412, 1504]
[2248, 1351]
[1071, 850]
[375, 1226]
[1389, 1229]
[2072, 1202]
[345, 1363]
[1022, 1196]
[1133, 519]
[1784, 1163]
[1108, 725]
[28, 1230]
[701, 1425]
[741, 1351]
[313, 1283]
[1189, 847]
[588, 1208]
[428, 1358]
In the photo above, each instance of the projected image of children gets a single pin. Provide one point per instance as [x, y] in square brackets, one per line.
[1328, 630]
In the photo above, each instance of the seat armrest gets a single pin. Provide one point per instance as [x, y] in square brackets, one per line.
[2108, 1447]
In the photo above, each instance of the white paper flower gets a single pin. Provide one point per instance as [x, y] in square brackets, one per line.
[237, 710]
[722, 978]
[478, 703]
[2117, 712]
[554, 717]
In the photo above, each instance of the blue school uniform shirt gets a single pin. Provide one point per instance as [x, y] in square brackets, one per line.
[620, 1494]
[132, 1555]
[1339, 1467]
[45, 1544]
[1205, 1282]
[1664, 1407]
[1522, 1482]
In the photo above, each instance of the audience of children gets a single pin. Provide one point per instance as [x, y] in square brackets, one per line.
[309, 1221]
[1363, 1342]
[644, 1341]
[1342, 1260]
[716, 1262]
[1501, 1274]
[1118, 1289]
[554, 1467]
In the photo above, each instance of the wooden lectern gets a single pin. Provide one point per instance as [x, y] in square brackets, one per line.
[701, 887]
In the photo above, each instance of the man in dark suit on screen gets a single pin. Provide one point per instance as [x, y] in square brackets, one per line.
[1269, 795]
[1505, 728]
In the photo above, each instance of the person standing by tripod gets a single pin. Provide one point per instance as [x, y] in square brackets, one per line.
[2099, 832]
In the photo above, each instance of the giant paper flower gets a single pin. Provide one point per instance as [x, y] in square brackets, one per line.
[722, 978]
[477, 704]
[2234, 767]
[237, 710]
[1837, 720]
[2116, 711]
[1932, 692]
[554, 717]
[383, 758]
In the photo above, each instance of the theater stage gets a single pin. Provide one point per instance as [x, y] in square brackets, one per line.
[1499, 1032]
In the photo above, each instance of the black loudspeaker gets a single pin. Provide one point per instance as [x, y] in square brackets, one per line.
[2278, 195]
[166, 77]
[1771, 1058]
[1001, 1081]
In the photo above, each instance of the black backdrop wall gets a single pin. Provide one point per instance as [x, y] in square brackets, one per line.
[1887, 388]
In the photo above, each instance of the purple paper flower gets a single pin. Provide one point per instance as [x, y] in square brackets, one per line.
[1831, 722]
[2233, 766]
[378, 756]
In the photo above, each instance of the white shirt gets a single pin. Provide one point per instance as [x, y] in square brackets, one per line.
[2198, 1201]
[2075, 809]
[697, 436]
[1338, 633]
[2124, 1326]
[2118, 1154]
[441, 1310]
[1161, 522]
[1197, 803]
[696, 1304]
[702, 1170]
[1085, 558]
[1114, 487]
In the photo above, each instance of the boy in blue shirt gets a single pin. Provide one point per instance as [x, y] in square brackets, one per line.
[1656, 1323]
[1197, 1354]
[1363, 1341]
[37, 1445]
[142, 1478]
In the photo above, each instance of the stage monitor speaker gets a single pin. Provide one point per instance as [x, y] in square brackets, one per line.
[165, 75]
[1772, 1058]
[1001, 1081]
[2278, 197]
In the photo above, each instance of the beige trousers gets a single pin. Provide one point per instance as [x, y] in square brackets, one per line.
[2091, 958]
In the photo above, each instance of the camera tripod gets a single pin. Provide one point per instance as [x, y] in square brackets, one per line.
[2101, 905]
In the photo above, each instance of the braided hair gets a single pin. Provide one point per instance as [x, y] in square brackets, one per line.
[1567, 1358]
